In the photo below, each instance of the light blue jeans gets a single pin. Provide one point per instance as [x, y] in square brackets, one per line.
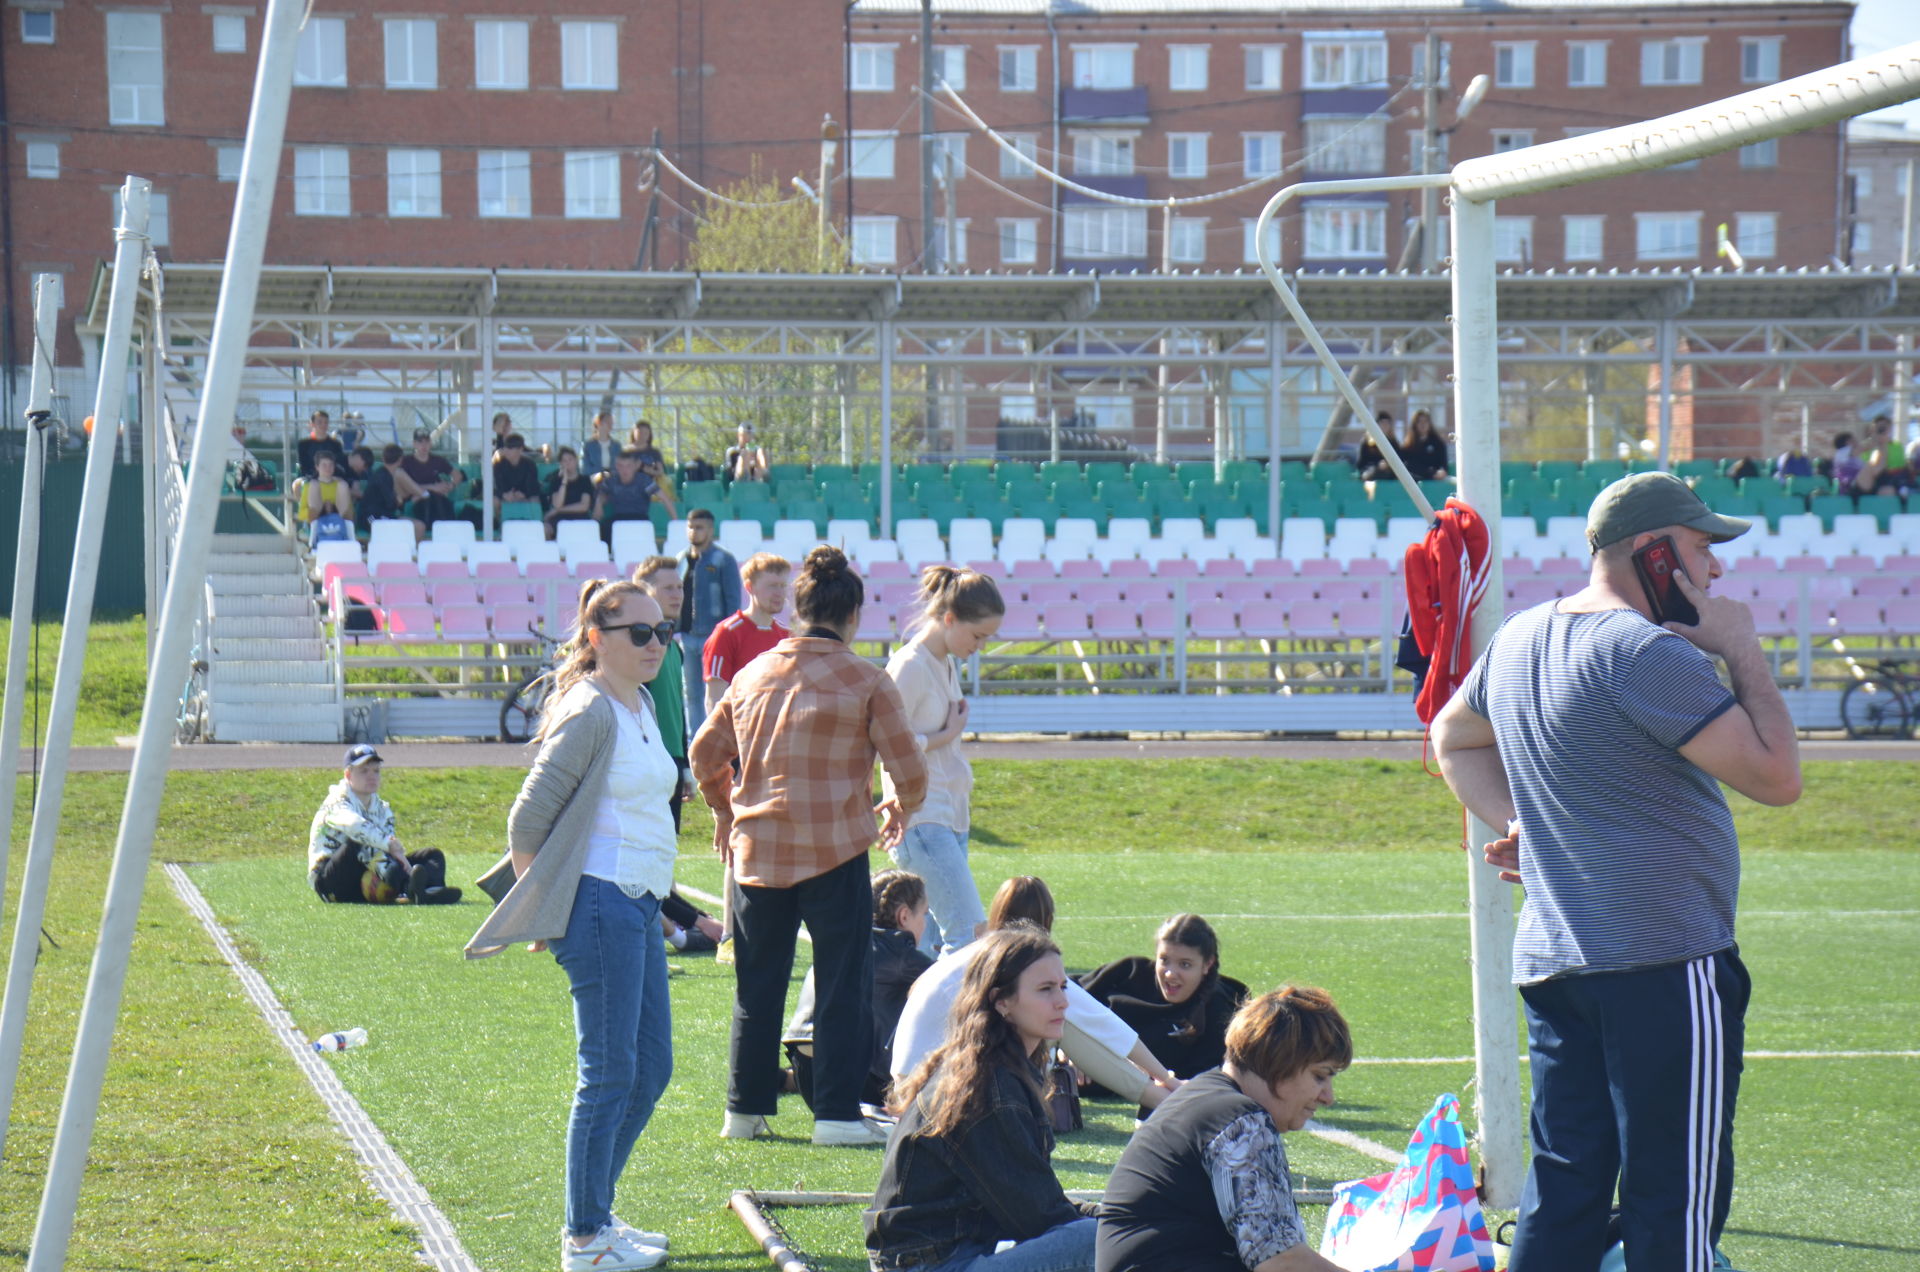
[938, 854]
[614, 958]
[1067, 1248]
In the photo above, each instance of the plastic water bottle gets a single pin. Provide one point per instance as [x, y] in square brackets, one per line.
[340, 1041]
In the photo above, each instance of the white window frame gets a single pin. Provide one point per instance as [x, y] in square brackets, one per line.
[1513, 240]
[322, 181]
[1515, 63]
[1860, 180]
[870, 68]
[1097, 232]
[1583, 237]
[1346, 231]
[592, 185]
[589, 56]
[1187, 69]
[870, 155]
[1757, 235]
[321, 58]
[1760, 59]
[1108, 412]
[1099, 65]
[229, 32]
[1505, 139]
[500, 54]
[1417, 65]
[953, 239]
[1591, 64]
[159, 217]
[1688, 61]
[227, 158]
[136, 69]
[1104, 154]
[1189, 246]
[1019, 240]
[1761, 154]
[413, 183]
[49, 36]
[864, 235]
[1355, 144]
[1018, 167]
[1023, 60]
[1860, 239]
[1266, 167]
[1186, 155]
[1264, 67]
[954, 144]
[1648, 227]
[1247, 254]
[1021, 407]
[412, 53]
[950, 66]
[1344, 60]
[503, 184]
[43, 159]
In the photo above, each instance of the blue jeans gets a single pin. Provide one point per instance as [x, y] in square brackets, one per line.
[617, 964]
[1067, 1248]
[938, 854]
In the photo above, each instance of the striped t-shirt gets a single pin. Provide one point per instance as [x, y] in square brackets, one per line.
[1627, 848]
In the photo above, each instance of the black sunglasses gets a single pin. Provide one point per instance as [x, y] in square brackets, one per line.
[641, 633]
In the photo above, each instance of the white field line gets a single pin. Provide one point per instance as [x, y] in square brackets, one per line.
[1460, 914]
[1358, 1143]
[440, 1248]
[1750, 1055]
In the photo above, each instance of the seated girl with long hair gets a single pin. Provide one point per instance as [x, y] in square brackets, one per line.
[1177, 1001]
[968, 1165]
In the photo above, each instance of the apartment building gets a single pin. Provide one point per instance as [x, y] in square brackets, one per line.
[1882, 220]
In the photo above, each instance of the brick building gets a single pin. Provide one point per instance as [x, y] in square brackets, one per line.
[1880, 157]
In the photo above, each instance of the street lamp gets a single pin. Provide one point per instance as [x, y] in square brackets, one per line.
[829, 146]
[1430, 136]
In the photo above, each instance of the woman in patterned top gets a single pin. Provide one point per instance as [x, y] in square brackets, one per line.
[1203, 1186]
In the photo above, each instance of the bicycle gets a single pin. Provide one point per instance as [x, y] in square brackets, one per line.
[520, 712]
[1881, 702]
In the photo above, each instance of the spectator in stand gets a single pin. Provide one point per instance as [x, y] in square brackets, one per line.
[1793, 462]
[405, 491]
[1424, 451]
[516, 478]
[640, 441]
[502, 429]
[371, 486]
[328, 492]
[434, 476]
[806, 721]
[751, 632]
[1744, 467]
[1884, 469]
[353, 853]
[319, 440]
[569, 496]
[1177, 1001]
[710, 585]
[600, 448]
[744, 460]
[1844, 467]
[1371, 464]
[626, 494]
[958, 611]
[1204, 1185]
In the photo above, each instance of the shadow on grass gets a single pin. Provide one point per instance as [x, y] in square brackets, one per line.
[1828, 1243]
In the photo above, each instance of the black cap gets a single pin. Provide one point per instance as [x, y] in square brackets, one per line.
[362, 753]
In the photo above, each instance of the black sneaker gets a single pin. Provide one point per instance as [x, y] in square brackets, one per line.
[698, 942]
[439, 896]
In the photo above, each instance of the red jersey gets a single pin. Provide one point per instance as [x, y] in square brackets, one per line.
[735, 643]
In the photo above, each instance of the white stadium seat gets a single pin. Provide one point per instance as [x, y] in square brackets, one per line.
[520, 534]
[633, 542]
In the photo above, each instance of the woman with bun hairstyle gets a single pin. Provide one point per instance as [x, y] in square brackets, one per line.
[1177, 1001]
[592, 847]
[805, 720]
[958, 612]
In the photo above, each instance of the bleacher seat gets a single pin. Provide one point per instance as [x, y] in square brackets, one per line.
[464, 624]
[1066, 620]
[1021, 622]
[1181, 537]
[596, 569]
[879, 552]
[1353, 539]
[633, 542]
[793, 538]
[490, 554]
[1303, 539]
[390, 539]
[1023, 539]
[460, 533]
[572, 535]
[970, 538]
[512, 623]
[443, 551]
[849, 534]
[920, 542]
[1215, 620]
[517, 535]
[674, 541]
[334, 553]
[461, 591]
[414, 623]
[542, 551]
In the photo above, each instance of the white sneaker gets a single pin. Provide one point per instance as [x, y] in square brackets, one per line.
[743, 1126]
[636, 1236]
[607, 1252]
[850, 1134]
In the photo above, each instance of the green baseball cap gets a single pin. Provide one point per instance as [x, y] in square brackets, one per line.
[1649, 501]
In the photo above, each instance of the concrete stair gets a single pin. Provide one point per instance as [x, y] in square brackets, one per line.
[268, 678]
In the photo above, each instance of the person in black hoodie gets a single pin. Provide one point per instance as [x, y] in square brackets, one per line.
[1177, 1001]
[1424, 451]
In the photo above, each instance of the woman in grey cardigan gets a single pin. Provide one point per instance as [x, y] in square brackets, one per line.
[593, 846]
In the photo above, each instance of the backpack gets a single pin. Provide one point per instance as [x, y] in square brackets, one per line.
[1446, 577]
[330, 528]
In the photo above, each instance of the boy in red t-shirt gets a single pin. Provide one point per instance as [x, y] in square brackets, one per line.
[744, 636]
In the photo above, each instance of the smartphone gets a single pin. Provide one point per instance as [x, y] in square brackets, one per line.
[1657, 564]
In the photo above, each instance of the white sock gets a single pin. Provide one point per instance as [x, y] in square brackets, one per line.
[678, 938]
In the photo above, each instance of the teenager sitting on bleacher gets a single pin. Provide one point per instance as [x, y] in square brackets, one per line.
[326, 495]
[569, 492]
[516, 479]
[371, 485]
[434, 476]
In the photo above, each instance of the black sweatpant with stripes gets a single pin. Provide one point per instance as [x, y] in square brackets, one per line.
[1634, 1080]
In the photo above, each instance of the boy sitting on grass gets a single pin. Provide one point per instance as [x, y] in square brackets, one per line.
[353, 854]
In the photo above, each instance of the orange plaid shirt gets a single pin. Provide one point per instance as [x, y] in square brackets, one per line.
[807, 720]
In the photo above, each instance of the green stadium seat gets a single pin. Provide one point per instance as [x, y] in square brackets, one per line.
[545, 471]
[1243, 470]
[1214, 511]
[1189, 471]
[823, 474]
[1081, 506]
[1880, 507]
[520, 512]
[852, 510]
[1054, 471]
[1687, 468]
[1555, 469]
[1524, 490]
[703, 494]
[1715, 489]
[990, 506]
[1336, 471]
[1576, 491]
[1807, 485]
[1294, 470]
[1014, 470]
[744, 494]
[1512, 470]
[1774, 507]
[1604, 471]
[1827, 507]
[1359, 505]
[1543, 507]
[1437, 492]
[1105, 470]
[813, 510]
[779, 474]
[1146, 473]
[970, 475]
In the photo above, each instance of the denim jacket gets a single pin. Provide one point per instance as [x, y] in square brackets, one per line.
[990, 1181]
[715, 594]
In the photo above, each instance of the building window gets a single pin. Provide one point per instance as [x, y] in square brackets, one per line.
[1861, 179]
[1416, 152]
[1513, 239]
[1586, 64]
[1347, 144]
[1187, 68]
[229, 33]
[1761, 154]
[1020, 161]
[227, 157]
[870, 70]
[950, 67]
[321, 60]
[1418, 77]
[1019, 241]
[36, 26]
[505, 181]
[1189, 246]
[871, 155]
[1585, 237]
[1861, 239]
[1671, 61]
[1505, 139]
[413, 183]
[1019, 70]
[1102, 155]
[1263, 68]
[1260, 155]
[1346, 231]
[1097, 232]
[1667, 236]
[1757, 234]
[1759, 59]
[587, 56]
[1513, 65]
[500, 54]
[412, 59]
[1346, 63]
[950, 156]
[593, 185]
[1023, 407]
[1247, 253]
[1186, 155]
[1103, 66]
[322, 184]
[135, 71]
[872, 241]
[43, 159]
[1111, 412]
[951, 239]
[159, 218]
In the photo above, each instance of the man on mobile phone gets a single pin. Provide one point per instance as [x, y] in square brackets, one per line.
[1601, 739]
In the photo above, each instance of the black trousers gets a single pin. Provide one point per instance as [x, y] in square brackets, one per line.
[837, 908]
[342, 878]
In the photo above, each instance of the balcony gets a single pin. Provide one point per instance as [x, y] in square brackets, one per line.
[1103, 105]
[1133, 185]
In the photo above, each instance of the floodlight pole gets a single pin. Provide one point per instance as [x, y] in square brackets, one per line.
[108, 406]
[133, 851]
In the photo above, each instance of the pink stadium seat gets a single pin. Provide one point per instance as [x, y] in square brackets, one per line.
[1032, 571]
[1854, 564]
[1022, 622]
[1081, 569]
[1880, 585]
[403, 592]
[1859, 618]
[1371, 568]
[1065, 620]
[1272, 568]
[1215, 620]
[1778, 587]
[547, 570]
[1225, 569]
[361, 595]
[1116, 620]
[348, 570]
[1338, 592]
[1159, 620]
[1528, 593]
[1804, 565]
[1149, 592]
[1041, 595]
[876, 624]
[397, 570]
[495, 595]
[447, 570]
[1906, 564]
[1773, 619]
[1241, 591]
[1741, 587]
[464, 624]
[1091, 592]
[1831, 587]
[1263, 620]
[1130, 568]
[1178, 568]
[1755, 565]
[1291, 592]
[411, 623]
[893, 571]
[496, 570]
[991, 568]
[1322, 568]
[597, 570]
[1903, 616]
[1313, 620]
[511, 623]
[455, 592]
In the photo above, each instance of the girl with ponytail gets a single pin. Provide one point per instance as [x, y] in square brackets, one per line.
[957, 611]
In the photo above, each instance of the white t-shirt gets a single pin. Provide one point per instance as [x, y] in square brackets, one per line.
[923, 1021]
[633, 842]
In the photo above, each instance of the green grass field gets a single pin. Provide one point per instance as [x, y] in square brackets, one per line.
[212, 1151]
